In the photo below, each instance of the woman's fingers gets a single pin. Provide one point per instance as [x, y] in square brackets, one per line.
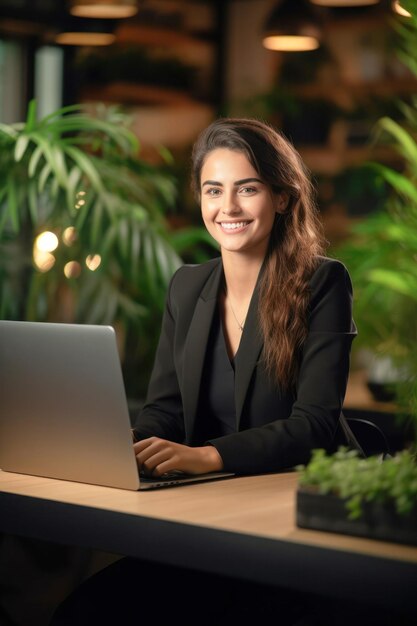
[159, 456]
[152, 452]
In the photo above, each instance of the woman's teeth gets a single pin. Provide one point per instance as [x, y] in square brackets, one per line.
[233, 225]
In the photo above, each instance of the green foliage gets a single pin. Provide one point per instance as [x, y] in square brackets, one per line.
[406, 30]
[381, 256]
[357, 480]
[73, 170]
[381, 253]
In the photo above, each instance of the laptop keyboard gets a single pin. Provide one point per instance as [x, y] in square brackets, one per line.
[165, 477]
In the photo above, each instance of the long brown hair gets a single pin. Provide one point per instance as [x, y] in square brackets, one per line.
[295, 242]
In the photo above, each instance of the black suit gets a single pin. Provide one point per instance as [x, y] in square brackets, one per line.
[276, 429]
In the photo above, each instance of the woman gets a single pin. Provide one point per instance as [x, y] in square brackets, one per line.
[252, 364]
[250, 372]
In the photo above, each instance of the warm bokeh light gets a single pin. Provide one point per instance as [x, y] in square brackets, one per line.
[46, 241]
[80, 199]
[291, 43]
[396, 5]
[69, 236]
[93, 261]
[44, 261]
[104, 10]
[72, 269]
[85, 39]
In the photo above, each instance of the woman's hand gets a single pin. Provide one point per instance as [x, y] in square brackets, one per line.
[158, 456]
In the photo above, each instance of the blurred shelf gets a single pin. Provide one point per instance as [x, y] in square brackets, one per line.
[131, 33]
[359, 397]
[338, 91]
[359, 402]
[332, 160]
[135, 94]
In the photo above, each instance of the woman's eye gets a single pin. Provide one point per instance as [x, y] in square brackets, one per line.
[213, 191]
[248, 190]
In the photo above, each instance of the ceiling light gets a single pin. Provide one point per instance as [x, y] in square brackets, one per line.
[76, 31]
[399, 9]
[292, 27]
[104, 9]
[291, 43]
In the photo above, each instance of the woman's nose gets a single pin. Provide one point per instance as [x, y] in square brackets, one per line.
[230, 204]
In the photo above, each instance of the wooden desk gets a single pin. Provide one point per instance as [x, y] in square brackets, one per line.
[243, 527]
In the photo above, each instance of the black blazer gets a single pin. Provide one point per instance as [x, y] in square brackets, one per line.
[276, 429]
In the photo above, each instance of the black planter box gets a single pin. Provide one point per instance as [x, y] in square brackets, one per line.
[328, 512]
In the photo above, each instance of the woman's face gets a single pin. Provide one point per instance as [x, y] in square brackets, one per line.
[238, 209]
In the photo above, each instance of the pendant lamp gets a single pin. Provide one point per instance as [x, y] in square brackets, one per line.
[292, 26]
[104, 9]
[76, 31]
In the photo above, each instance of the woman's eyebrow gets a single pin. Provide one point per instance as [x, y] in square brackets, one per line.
[248, 180]
[243, 181]
[212, 182]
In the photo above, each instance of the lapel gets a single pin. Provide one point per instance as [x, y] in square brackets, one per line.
[196, 343]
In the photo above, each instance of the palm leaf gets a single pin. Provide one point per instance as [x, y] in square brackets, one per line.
[406, 144]
[21, 146]
[405, 284]
[87, 167]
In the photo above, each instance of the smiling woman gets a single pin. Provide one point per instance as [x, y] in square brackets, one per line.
[238, 209]
[251, 368]
[252, 363]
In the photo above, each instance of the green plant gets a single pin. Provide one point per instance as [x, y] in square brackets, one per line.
[381, 256]
[80, 178]
[381, 252]
[360, 189]
[392, 482]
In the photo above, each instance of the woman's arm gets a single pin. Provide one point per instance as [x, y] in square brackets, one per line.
[159, 432]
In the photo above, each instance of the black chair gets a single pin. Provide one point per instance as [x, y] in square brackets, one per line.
[370, 436]
[362, 435]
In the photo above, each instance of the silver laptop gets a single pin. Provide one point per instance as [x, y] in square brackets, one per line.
[63, 408]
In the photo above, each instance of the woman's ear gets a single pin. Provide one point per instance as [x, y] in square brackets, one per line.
[281, 202]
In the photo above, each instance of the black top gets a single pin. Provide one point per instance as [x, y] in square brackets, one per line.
[217, 393]
[276, 428]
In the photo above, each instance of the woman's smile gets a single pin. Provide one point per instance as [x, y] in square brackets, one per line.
[234, 227]
[238, 208]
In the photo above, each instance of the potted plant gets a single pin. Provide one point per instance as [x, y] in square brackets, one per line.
[364, 497]
[83, 232]
[343, 492]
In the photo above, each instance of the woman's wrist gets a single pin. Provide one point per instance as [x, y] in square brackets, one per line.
[212, 458]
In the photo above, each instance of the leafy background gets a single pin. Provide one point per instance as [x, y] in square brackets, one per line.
[83, 171]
